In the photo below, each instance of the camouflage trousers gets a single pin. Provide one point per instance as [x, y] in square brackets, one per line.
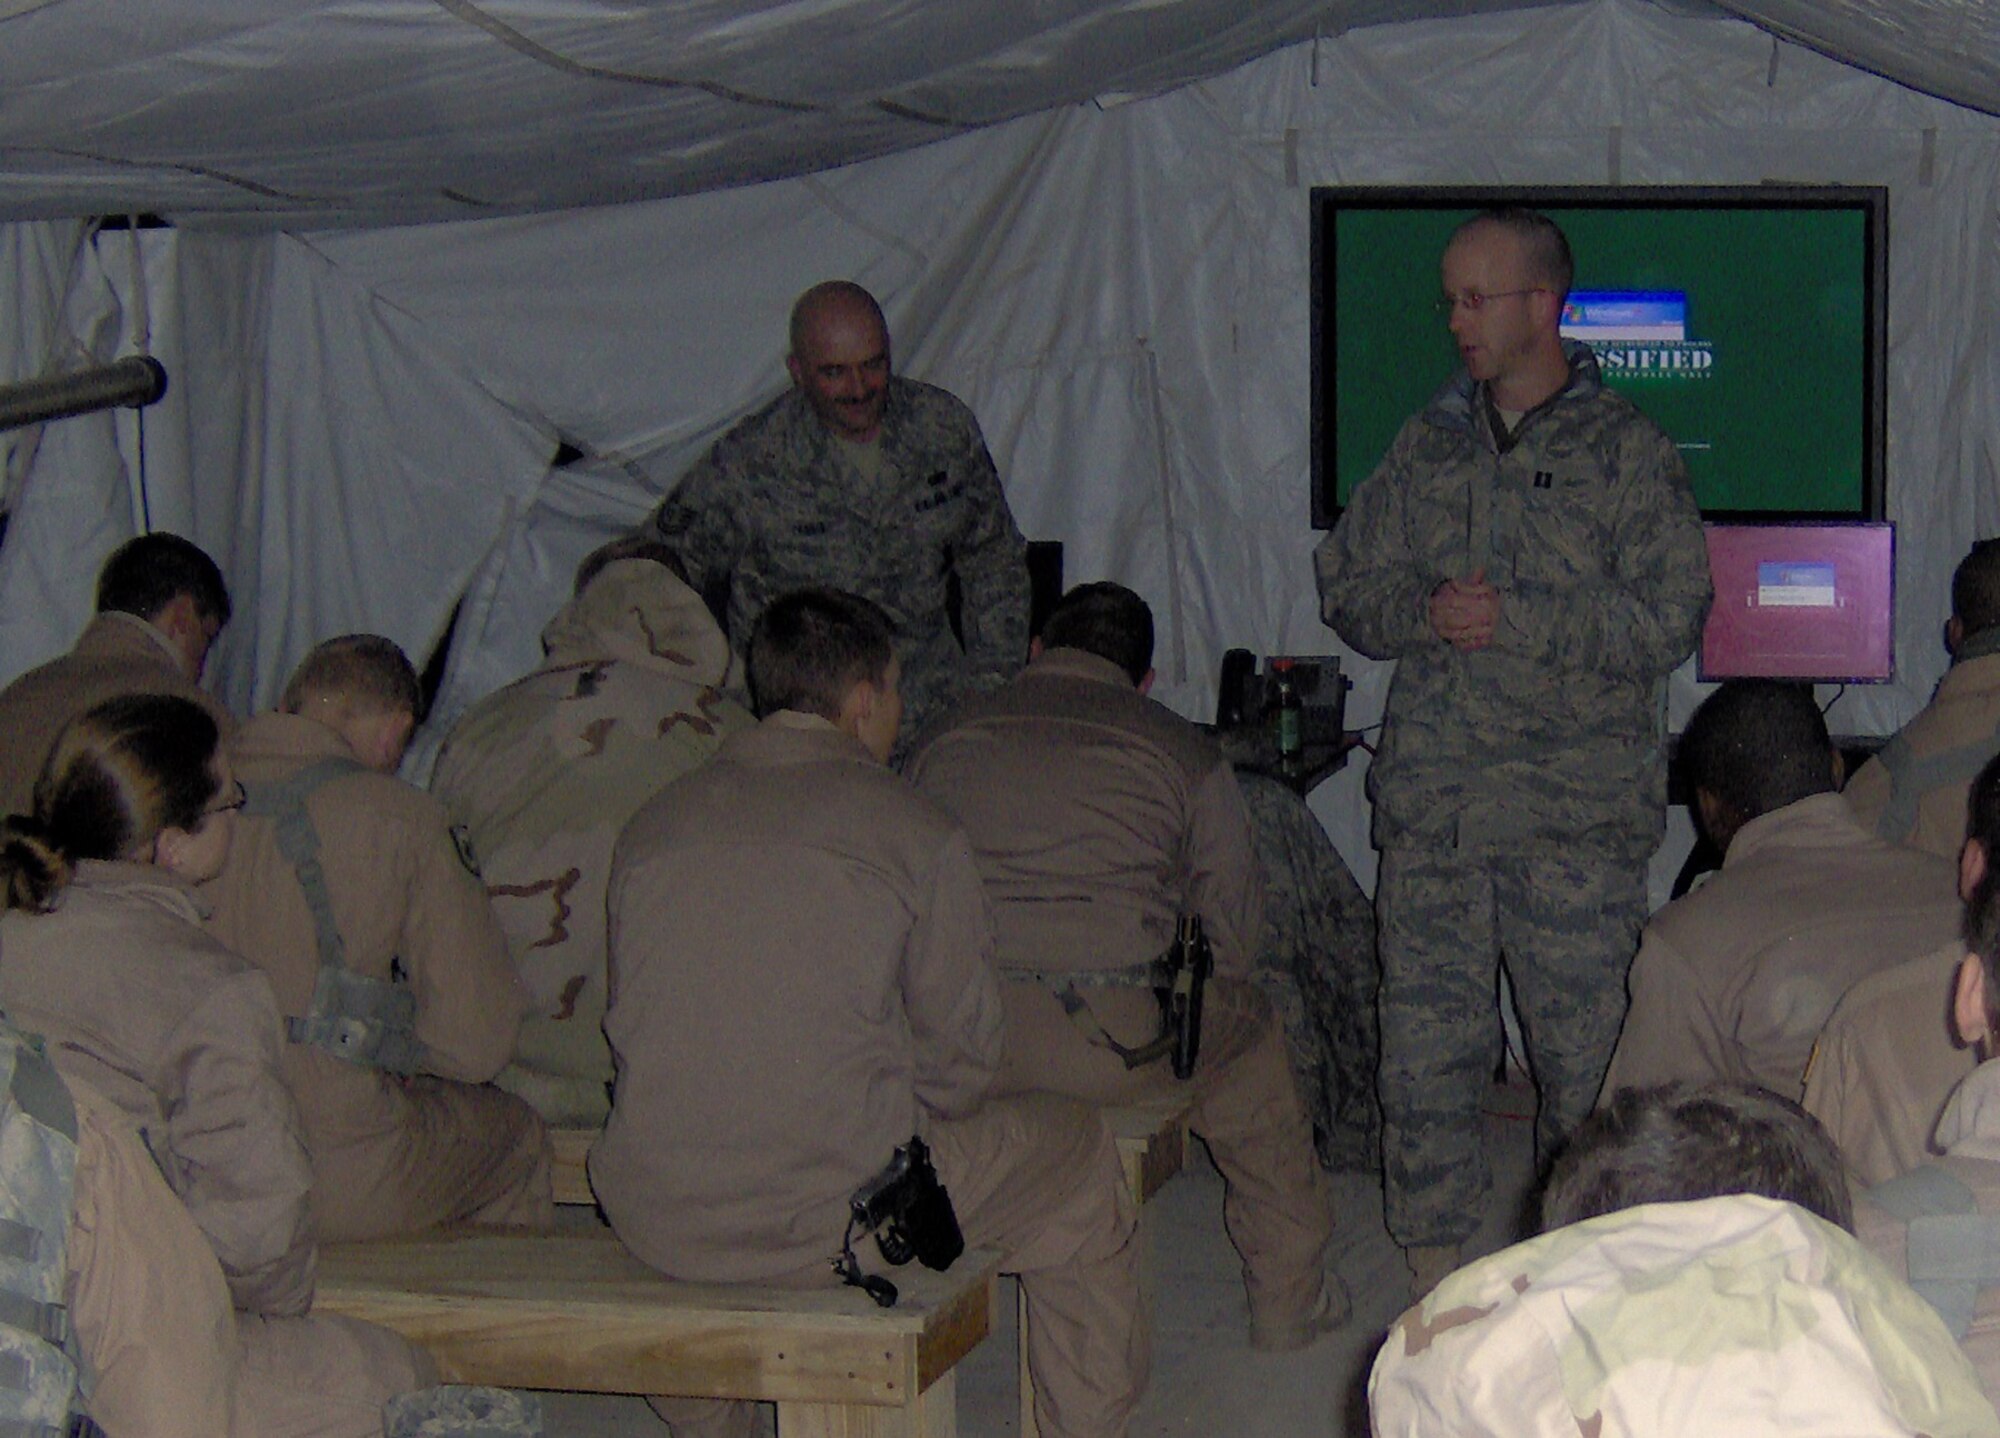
[1316, 965]
[1567, 926]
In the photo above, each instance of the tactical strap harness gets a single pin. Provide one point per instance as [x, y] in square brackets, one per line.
[1953, 1248]
[370, 1022]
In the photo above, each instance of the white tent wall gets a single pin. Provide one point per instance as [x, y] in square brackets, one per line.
[1121, 294]
[344, 475]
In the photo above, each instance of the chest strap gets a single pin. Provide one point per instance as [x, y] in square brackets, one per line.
[370, 1022]
[1953, 1249]
[1912, 779]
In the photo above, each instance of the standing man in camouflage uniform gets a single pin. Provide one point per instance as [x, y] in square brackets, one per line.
[1530, 550]
[869, 482]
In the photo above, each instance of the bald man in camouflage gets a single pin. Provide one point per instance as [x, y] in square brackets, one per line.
[1530, 551]
[868, 482]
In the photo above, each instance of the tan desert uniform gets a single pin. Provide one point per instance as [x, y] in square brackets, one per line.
[800, 980]
[146, 1298]
[116, 654]
[1885, 1064]
[544, 773]
[1735, 980]
[181, 1037]
[1740, 1316]
[1096, 815]
[1914, 790]
[1969, 1135]
[164, 1355]
[390, 1155]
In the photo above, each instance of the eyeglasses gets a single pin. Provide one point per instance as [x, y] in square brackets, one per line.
[233, 798]
[1474, 301]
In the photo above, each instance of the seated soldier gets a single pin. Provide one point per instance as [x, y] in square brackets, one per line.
[1939, 1224]
[1889, 1057]
[107, 963]
[1736, 979]
[346, 886]
[800, 983]
[1097, 816]
[1913, 791]
[1696, 1274]
[160, 604]
[545, 772]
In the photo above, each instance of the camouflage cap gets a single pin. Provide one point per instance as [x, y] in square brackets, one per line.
[1736, 1315]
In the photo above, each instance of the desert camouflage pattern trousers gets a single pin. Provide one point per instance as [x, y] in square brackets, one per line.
[1566, 925]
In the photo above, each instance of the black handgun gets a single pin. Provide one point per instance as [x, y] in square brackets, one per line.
[1189, 964]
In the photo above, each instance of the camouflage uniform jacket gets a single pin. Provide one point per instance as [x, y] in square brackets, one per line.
[1586, 525]
[1914, 790]
[1737, 1315]
[776, 505]
[801, 975]
[116, 654]
[1735, 980]
[1969, 1134]
[1886, 1063]
[544, 773]
[1096, 815]
[183, 1036]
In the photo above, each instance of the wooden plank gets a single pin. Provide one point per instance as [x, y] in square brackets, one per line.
[572, 1178]
[574, 1311]
[1152, 1143]
[933, 1415]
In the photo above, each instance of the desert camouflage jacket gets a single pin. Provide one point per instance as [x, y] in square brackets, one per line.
[776, 505]
[1585, 523]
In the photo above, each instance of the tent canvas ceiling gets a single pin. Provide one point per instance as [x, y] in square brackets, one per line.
[347, 112]
[362, 414]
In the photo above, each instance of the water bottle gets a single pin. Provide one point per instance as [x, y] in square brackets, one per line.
[1289, 709]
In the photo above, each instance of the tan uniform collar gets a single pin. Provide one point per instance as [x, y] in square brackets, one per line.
[148, 881]
[277, 735]
[1819, 821]
[790, 737]
[1066, 663]
[117, 630]
[1970, 1124]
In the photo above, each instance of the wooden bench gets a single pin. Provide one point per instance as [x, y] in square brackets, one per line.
[573, 1311]
[1152, 1146]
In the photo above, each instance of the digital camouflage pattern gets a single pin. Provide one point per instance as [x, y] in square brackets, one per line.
[1586, 525]
[1317, 966]
[545, 772]
[779, 505]
[1736, 1315]
[457, 1410]
[1567, 924]
[1544, 749]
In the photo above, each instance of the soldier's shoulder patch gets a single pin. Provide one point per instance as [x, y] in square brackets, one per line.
[461, 840]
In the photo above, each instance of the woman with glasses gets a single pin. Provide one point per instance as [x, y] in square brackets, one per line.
[106, 958]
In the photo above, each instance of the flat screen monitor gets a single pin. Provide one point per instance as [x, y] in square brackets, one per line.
[1801, 601]
[1750, 322]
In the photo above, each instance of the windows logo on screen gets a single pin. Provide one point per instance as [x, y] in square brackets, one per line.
[1638, 334]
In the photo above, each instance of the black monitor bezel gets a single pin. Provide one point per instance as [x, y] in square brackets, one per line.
[1871, 200]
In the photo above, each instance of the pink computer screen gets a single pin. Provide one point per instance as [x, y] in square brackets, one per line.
[1801, 601]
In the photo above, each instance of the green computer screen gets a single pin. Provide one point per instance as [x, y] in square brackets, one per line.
[1748, 322]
